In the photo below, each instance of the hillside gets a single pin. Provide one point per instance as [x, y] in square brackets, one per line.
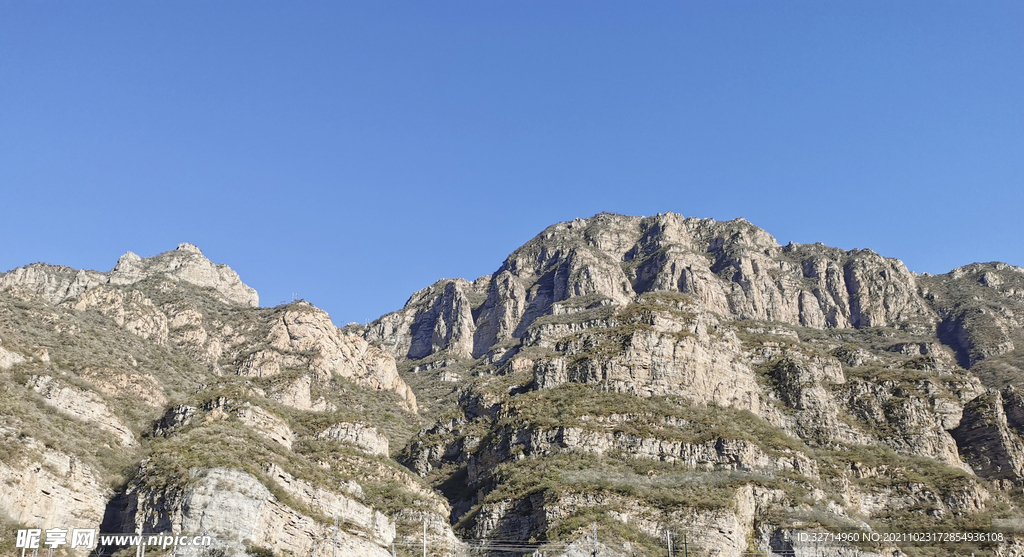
[663, 373]
[626, 376]
[159, 397]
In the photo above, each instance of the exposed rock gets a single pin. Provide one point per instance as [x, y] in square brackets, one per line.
[368, 522]
[10, 359]
[131, 310]
[632, 371]
[56, 284]
[309, 330]
[143, 387]
[439, 317]
[296, 394]
[176, 417]
[982, 306]
[81, 404]
[362, 436]
[53, 283]
[986, 442]
[648, 362]
[271, 426]
[263, 363]
[714, 454]
[186, 264]
[237, 510]
[57, 487]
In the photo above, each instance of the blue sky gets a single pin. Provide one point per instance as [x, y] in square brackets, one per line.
[354, 152]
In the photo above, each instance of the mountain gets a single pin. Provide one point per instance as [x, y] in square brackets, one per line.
[159, 397]
[661, 373]
[615, 381]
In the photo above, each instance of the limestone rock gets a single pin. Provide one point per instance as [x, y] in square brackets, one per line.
[81, 404]
[53, 283]
[57, 487]
[236, 509]
[439, 317]
[362, 436]
[267, 424]
[186, 264]
[10, 359]
[56, 284]
[130, 310]
[650, 362]
[733, 269]
[309, 330]
[373, 525]
[986, 441]
[982, 306]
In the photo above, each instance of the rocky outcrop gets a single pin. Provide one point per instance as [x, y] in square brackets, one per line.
[982, 309]
[10, 359]
[327, 351]
[986, 440]
[130, 310]
[362, 436]
[734, 269]
[357, 518]
[725, 531]
[238, 511]
[261, 345]
[186, 264]
[81, 404]
[649, 360]
[439, 317]
[54, 490]
[267, 424]
[54, 283]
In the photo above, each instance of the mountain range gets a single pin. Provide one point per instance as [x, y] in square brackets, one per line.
[619, 383]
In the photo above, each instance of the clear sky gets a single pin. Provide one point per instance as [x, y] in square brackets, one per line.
[354, 152]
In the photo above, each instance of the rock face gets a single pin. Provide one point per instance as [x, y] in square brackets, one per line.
[82, 405]
[58, 490]
[299, 336]
[987, 439]
[734, 269]
[239, 512]
[9, 359]
[361, 435]
[982, 310]
[186, 264]
[439, 317]
[309, 330]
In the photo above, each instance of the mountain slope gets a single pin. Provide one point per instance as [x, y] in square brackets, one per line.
[624, 377]
[650, 373]
[158, 397]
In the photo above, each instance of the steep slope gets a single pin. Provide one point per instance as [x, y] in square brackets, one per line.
[654, 373]
[733, 269]
[159, 398]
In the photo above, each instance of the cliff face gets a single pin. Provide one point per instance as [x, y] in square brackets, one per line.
[732, 269]
[641, 376]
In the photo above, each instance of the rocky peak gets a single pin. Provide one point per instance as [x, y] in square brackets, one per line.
[192, 248]
[184, 264]
[735, 269]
